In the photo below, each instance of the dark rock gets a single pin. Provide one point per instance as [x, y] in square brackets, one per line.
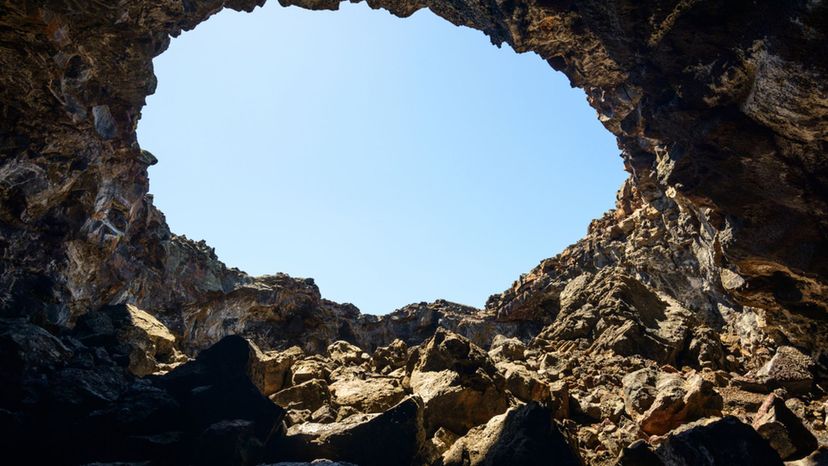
[215, 387]
[783, 429]
[104, 123]
[713, 256]
[229, 442]
[526, 435]
[638, 453]
[723, 442]
[393, 437]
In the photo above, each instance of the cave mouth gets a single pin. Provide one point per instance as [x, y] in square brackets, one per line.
[393, 160]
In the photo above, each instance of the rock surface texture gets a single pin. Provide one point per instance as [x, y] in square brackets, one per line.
[661, 332]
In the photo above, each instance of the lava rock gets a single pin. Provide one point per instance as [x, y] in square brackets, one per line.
[459, 385]
[788, 369]
[393, 437]
[783, 429]
[721, 442]
[526, 435]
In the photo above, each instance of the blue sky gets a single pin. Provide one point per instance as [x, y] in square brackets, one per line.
[393, 160]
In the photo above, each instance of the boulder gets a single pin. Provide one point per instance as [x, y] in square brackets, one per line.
[507, 349]
[369, 395]
[818, 458]
[639, 391]
[310, 395]
[559, 392]
[525, 435]
[638, 453]
[783, 429]
[717, 442]
[324, 415]
[388, 358]
[270, 370]
[788, 369]
[215, 387]
[343, 353]
[459, 385]
[679, 401]
[521, 382]
[440, 442]
[455, 405]
[394, 437]
[309, 369]
[148, 344]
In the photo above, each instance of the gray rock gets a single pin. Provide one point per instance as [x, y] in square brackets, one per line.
[104, 122]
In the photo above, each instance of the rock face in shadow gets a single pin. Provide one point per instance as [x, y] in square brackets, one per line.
[393, 437]
[723, 442]
[79, 405]
[524, 435]
[711, 267]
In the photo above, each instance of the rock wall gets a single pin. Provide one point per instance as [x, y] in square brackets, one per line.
[720, 112]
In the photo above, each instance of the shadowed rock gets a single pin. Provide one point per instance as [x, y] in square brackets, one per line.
[721, 442]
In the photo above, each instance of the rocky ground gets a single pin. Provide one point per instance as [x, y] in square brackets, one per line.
[687, 327]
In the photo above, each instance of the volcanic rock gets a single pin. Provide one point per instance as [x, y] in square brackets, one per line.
[388, 358]
[309, 369]
[678, 401]
[458, 383]
[369, 395]
[711, 263]
[721, 442]
[789, 369]
[393, 437]
[524, 435]
[270, 370]
[783, 430]
[310, 395]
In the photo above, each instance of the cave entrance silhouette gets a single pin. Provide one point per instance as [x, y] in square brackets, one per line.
[393, 160]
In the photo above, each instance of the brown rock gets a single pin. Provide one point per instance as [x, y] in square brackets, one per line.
[310, 395]
[309, 369]
[387, 358]
[394, 437]
[324, 415]
[270, 370]
[441, 441]
[639, 390]
[370, 395]
[507, 349]
[788, 369]
[678, 401]
[458, 383]
[524, 435]
[560, 399]
[521, 382]
[343, 353]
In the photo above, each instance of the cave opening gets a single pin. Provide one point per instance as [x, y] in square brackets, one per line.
[393, 160]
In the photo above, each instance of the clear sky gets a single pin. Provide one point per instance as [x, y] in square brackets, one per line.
[393, 160]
